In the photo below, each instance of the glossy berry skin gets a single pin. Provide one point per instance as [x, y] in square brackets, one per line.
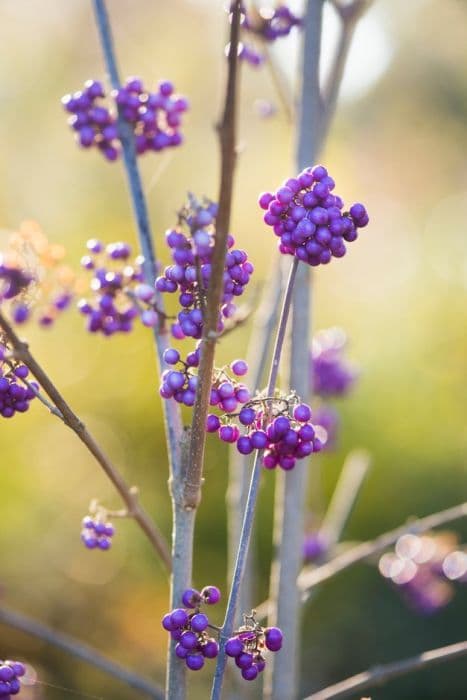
[308, 218]
[246, 647]
[10, 673]
[188, 626]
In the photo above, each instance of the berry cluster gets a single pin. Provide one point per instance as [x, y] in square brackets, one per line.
[155, 116]
[33, 277]
[332, 376]
[265, 24]
[94, 124]
[120, 294]
[309, 220]
[10, 673]
[15, 396]
[279, 425]
[248, 645]
[270, 23]
[188, 626]
[192, 245]
[423, 569]
[97, 532]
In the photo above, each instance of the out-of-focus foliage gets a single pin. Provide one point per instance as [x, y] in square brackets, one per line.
[401, 294]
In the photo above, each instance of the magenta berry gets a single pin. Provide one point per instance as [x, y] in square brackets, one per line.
[211, 595]
[308, 218]
[10, 673]
[96, 531]
[248, 644]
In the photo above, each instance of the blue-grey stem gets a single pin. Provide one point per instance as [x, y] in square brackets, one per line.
[249, 514]
[78, 650]
[282, 675]
[183, 520]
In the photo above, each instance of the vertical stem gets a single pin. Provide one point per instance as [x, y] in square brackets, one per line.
[283, 673]
[248, 518]
[227, 137]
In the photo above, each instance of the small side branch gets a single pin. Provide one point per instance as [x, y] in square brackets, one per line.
[227, 137]
[128, 494]
[79, 650]
[308, 579]
[380, 675]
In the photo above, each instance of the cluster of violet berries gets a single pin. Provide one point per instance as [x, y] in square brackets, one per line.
[188, 626]
[15, 397]
[280, 426]
[119, 292]
[266, 24]
[192, 245]
[424, 569]
[155, 117]
[97, 531]
[10, 673]
[308, 218]
[248, 644]
[13, 279]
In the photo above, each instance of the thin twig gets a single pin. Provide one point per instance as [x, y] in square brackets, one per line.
[312, 577]
[380, 675]
[128, 494]
[249, 514]
[345, 494]
[79, 650]
[227, 138]
[264, 323]
[308, 579]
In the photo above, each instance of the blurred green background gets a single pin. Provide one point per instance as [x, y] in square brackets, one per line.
[399, 145]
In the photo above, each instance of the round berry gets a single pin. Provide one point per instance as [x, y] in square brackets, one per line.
[233, 647]
[211, 595]
[199, 622]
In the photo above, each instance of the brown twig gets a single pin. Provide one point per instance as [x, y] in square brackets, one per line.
[227, 137]
[380, 675]
[128, 494]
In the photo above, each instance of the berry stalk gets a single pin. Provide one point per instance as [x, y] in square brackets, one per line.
[249, 514]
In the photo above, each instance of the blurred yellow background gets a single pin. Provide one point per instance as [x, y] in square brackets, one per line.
[399, 145]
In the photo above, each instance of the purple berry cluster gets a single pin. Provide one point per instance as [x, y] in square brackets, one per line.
[97, 531]
[309, 220]
[266, 24]
[155, 117]
[10, 673]
[271, 23]
[279, 426]
[15, 396]
[332, 376]
[120, 294]
[424, 569]
[248, 644]
[92, 121]
[189, 626]
[192, 245]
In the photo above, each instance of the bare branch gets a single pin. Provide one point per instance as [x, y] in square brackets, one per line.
[308, 579]
[380, 675]
[79, 650]
[128, 494]
[227, 138]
